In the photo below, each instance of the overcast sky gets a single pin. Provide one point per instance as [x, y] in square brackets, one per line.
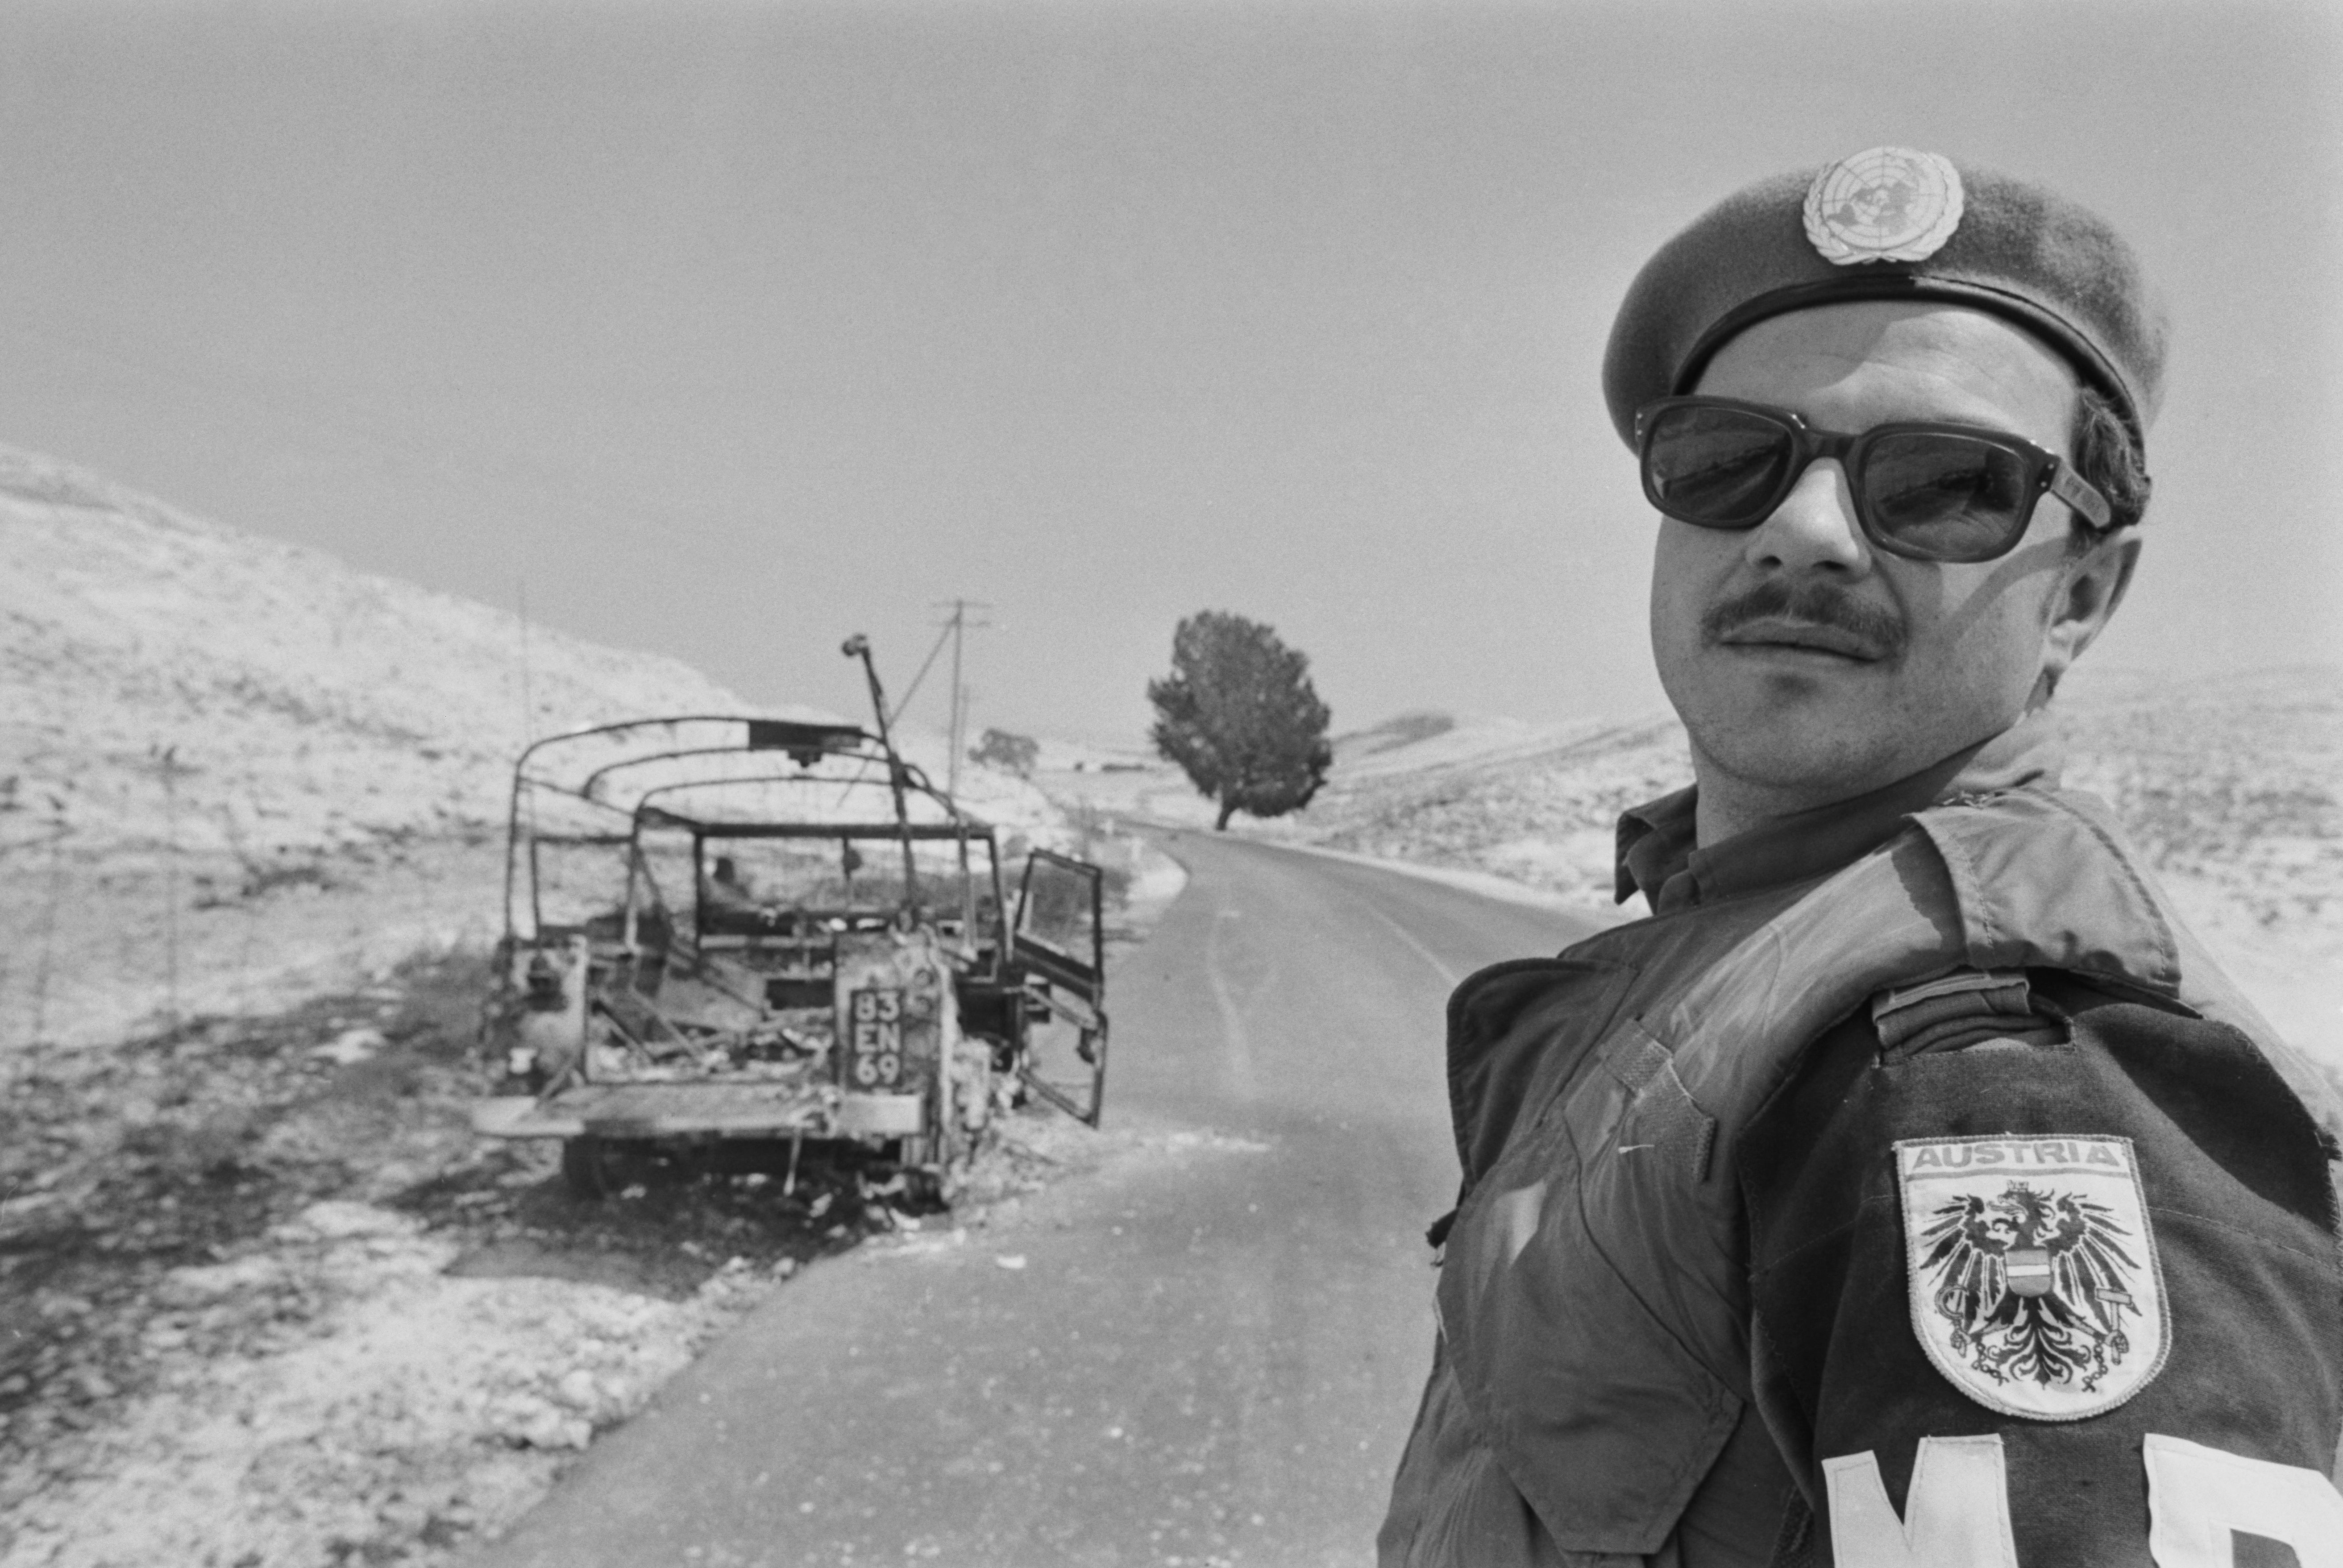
[734, 328]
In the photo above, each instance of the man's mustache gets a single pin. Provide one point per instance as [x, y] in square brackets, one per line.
[1814, 603]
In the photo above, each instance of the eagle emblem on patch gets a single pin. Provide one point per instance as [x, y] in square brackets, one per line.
[2033, 1276]
[1888, 204]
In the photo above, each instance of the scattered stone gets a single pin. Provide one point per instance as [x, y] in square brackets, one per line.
[338, 1220]
[203, 1284]
[350, 1047]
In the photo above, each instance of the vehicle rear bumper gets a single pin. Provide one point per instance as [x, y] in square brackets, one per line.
[681, 1110]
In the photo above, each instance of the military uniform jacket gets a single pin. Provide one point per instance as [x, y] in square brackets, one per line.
[1911, 1188]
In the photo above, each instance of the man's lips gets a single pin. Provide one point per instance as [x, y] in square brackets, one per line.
[1812, 637]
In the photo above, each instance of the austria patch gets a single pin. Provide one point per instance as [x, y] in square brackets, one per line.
[2032, 1271]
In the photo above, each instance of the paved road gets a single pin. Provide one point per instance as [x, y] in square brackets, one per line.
[1216, 1344]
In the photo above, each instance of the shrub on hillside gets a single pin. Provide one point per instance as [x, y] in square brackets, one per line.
[1010, 753]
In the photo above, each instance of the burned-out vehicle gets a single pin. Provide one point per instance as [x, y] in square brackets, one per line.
[726, 931]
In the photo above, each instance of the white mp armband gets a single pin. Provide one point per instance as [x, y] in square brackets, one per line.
[1956, 1510]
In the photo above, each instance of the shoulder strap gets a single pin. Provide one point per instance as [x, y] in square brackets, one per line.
[2021, 880]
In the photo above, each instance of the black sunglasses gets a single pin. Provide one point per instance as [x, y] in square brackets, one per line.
[1927, 492]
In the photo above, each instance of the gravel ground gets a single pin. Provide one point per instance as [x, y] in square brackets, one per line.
[264, 1299]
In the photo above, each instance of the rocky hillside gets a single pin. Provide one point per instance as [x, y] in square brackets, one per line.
[291, 702]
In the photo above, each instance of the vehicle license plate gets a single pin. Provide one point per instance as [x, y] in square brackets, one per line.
[874, 1035]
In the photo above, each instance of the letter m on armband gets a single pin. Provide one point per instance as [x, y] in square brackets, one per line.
[2200, 1500]
[1956, 1514]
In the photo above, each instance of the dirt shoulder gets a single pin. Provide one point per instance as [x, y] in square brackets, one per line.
[267, 1300]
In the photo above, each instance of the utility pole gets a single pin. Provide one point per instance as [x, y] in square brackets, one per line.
[958, 626]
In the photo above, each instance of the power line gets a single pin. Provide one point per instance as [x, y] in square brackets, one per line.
[957, 627]
[925, 665]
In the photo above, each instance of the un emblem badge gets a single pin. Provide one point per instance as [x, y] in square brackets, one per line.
[1889, 204]
[2033, 1283]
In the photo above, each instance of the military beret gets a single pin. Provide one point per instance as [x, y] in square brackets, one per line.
[1890, 224]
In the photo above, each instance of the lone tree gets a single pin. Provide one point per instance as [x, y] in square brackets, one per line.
[1009, 752]
[1239, 715]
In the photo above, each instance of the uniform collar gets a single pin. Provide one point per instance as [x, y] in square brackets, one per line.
[1658, 857]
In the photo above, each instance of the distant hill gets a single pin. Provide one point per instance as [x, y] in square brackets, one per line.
[1415, 741]
[2233, 778]
[1537, 805]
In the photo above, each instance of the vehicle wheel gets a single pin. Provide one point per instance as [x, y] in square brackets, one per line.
[923, 1190]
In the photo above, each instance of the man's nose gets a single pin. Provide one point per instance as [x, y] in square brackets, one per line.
[1813, 526]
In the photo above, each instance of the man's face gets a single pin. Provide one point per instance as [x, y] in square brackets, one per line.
[1807, 664]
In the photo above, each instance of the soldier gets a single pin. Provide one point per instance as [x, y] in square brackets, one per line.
[1909, 1188]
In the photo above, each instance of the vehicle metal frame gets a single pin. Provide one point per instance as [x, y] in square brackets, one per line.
[1005, 974]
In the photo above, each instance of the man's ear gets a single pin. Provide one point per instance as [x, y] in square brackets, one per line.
[2090, 587]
